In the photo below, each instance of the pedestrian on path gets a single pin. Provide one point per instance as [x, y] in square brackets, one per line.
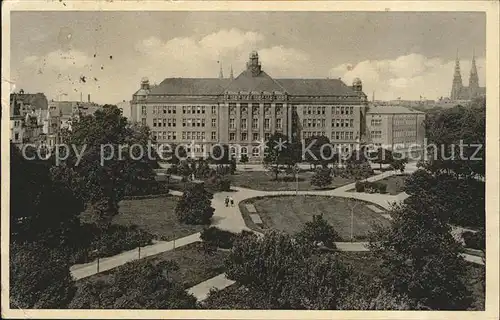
[232, 201]
[226, 201]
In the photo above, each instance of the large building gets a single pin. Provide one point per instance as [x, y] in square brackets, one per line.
[396, 128]
[245, 110]
[459, 91]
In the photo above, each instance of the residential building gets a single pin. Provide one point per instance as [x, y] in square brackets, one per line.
[247, 109]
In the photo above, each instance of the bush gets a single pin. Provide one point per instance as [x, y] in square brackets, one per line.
[474, 240]
[217, 237]
[146, 187]
[98, 243]
[319, 231]
[360, 186]
[195, 205]
[219, 183]
[370, 187]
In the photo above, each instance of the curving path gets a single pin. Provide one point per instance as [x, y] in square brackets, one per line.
[231, 219]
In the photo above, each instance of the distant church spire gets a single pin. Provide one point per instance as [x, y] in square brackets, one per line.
[231, 73]
[473, 78]
[457, 85]
[221, 75]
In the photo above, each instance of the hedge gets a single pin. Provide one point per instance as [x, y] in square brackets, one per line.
[95, 243]
[220, 238]
[370, 187]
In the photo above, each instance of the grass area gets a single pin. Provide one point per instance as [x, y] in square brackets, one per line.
[395, 184]
[264, 180]
[156, 216]
[290, 213]
[194, 265]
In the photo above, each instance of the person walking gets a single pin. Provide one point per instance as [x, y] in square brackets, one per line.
[226, 201]
[232, 201]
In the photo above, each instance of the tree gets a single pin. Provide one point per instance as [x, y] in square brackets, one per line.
[152, 289]
[39, 277]
[319, 231]
[42, 206]
[284, 274]
[195, 205]
[321, 151]
[244, 158]
[420, 258]
[357, 165]
[446, 129]
[108, 167]
[321, 178]
[399, 164]
[383, 156]
[281, 154]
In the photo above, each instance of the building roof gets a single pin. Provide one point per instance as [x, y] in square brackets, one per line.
[392, 110]
[190, 86]
[254, 83]
[318, 87]
[245, 82]
[37, 100]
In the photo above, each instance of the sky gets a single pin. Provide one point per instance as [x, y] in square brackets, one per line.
[410, 55]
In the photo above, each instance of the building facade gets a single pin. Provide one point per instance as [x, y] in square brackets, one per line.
[396, 128]
[246, 110]
[459, 91]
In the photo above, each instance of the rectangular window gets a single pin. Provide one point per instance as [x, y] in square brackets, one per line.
[154, 122]
[144, 111]
[214, 123]
[323, 123]
[244, 124]
[244, 136]
[255, 137]
[231, 124]
[214, 109]
[183, 135]
[255, 123]
[323, 110]
[203, 122]
[267, 136]
[164, 122]
[351, 110]
[267, 124]
[278, 123]
[214, 135]
[232, 136]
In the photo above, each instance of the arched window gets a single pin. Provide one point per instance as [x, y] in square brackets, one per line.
[244, 150]
[256, 151]
[232, 150]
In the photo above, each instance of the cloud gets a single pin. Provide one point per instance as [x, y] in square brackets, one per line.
[408, 77]
[59, 60]
[191, 57]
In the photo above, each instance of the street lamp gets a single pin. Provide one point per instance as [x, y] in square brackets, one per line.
[296, 170]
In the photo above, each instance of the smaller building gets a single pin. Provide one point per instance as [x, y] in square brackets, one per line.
[126, 109]
[396, 128]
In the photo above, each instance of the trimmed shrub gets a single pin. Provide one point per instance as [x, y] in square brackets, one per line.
[217, 237]
[195, 205]
[360, 186]
[219, 183]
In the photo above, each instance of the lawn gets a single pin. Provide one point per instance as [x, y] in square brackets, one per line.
[395, 184]
[290, 213]
[264, 180]
[156, 216]
[194, 265]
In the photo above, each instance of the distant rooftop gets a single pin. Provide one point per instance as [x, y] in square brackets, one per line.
[391, 110]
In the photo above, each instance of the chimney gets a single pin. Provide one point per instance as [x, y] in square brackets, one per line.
[88, 96]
